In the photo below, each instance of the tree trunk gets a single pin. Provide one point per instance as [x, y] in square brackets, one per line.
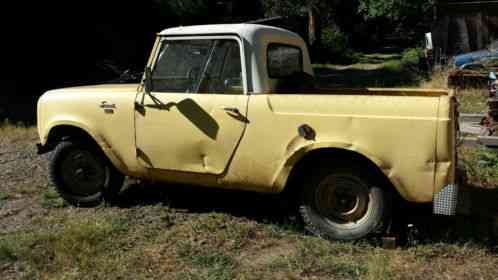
[459, 39]
[311, 25]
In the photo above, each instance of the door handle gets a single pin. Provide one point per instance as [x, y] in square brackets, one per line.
[232, 110]
[235, 113]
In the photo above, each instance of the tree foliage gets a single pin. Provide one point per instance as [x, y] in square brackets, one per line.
[394, 10]
[289, 8]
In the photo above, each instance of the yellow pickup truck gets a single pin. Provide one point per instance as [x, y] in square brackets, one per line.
[233, 106]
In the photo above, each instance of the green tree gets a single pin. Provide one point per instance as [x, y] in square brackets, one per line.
[407, 20]
[319, 13]
[397, 11]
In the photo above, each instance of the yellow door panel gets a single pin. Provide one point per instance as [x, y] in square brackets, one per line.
[189, 132]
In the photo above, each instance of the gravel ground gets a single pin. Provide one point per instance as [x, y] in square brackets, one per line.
[23, 176]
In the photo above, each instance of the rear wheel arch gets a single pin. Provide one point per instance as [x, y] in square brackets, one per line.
[338, 157]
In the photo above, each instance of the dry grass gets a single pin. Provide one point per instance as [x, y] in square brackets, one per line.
[481, 165]
[11, 132]
[115, 243]
[438, 80]
[472, 100]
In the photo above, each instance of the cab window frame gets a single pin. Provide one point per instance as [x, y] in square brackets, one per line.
[214, 37]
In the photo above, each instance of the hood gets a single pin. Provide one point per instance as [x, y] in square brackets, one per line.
[99, 88]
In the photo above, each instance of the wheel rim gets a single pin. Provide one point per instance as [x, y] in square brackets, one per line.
[82, 173]
[342, 199]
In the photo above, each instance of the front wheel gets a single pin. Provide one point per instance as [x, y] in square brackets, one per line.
[82, 175]
[343, 204]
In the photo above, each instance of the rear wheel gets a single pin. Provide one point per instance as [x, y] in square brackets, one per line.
[343, 204]
[82, 175]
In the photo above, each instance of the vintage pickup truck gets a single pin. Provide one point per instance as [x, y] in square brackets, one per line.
[233, 106]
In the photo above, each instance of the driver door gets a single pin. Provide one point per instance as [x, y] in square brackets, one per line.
[195, 115]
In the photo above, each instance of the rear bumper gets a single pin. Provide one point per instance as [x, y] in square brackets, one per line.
[445, 202]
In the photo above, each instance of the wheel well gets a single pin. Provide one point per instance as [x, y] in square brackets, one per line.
[338, 157]
[63, 132]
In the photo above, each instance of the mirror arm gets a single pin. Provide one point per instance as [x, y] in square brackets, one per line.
[147, 83]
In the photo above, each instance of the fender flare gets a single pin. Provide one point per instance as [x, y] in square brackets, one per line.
[99, 140]
[293, 157]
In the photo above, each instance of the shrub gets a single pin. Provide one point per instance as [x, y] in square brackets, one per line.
[411, 59]
[334, 40]
[335, 47]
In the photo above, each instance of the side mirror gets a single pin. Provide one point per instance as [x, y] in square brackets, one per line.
[148, 80]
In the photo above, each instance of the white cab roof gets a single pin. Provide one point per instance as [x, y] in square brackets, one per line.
[244, 30]
[254, 39]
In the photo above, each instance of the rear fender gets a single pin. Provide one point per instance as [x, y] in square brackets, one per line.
[295, 155]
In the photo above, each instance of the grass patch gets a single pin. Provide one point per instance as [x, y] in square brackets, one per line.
[317, 258]
[138, 243]
[7, 252]
[26, 189]
[377, 58]
[409, 62]
[51, 199]
[373, 70]
[204, 262]
[3, 198]
[472, 100]
[61, 246]
[11, 132]
[481, 165]
[379, 266]
[438, 79]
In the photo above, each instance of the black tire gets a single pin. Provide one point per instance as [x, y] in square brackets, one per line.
[82, 175]
[343, 204]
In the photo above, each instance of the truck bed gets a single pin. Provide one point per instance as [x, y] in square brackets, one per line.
[373, 91]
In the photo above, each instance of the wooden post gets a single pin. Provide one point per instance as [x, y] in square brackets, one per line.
[311, 24]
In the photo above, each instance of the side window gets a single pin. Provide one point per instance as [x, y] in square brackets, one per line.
[223, 73]
[198, 66]
[180, 64]
[284, 60]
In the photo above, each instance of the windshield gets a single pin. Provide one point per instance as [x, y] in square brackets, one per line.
[198, 66]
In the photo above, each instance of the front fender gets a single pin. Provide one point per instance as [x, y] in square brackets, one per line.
[89, 129]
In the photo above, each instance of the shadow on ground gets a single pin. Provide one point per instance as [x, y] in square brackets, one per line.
[479, 224]
[192, 199]
[412, 225]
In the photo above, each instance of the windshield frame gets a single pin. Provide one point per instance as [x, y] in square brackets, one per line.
[163, 39]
